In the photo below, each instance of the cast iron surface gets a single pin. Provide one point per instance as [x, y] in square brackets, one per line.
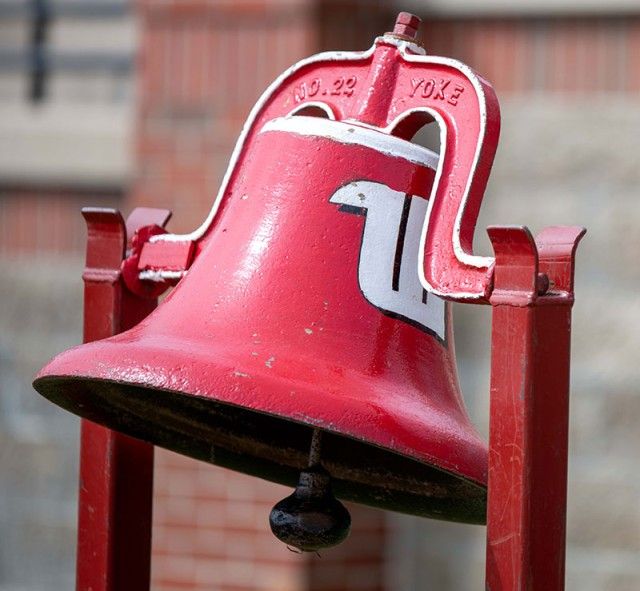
[269, 447]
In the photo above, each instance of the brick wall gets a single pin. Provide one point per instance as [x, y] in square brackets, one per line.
[202, 66]
[43, 222]
[211, 531]
[589, 56]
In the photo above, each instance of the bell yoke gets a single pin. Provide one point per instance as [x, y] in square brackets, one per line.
[308, 338]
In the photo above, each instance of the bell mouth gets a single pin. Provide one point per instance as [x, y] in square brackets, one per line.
[268, 446]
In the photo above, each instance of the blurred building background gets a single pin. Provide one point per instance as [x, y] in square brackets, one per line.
[114, 103]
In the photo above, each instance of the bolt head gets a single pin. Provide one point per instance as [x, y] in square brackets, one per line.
[407, 25]
[406, 18]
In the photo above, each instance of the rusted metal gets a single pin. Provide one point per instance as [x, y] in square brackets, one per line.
[116, 471]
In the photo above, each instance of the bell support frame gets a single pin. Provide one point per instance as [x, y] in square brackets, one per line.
[116, 471]
[531, 302]
[529, 407]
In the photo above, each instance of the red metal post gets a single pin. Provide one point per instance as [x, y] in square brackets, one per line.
[529, 408]
[116, 471]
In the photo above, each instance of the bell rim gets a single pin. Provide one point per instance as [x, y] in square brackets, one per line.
[475, 515]
[395, 417]
[310, 423]
[118, 361]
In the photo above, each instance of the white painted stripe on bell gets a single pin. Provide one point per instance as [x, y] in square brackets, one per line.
[348, 133]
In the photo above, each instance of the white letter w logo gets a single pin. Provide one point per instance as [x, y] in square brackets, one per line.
[388, 269]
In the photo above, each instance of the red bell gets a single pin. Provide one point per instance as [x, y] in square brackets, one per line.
[305, 310]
